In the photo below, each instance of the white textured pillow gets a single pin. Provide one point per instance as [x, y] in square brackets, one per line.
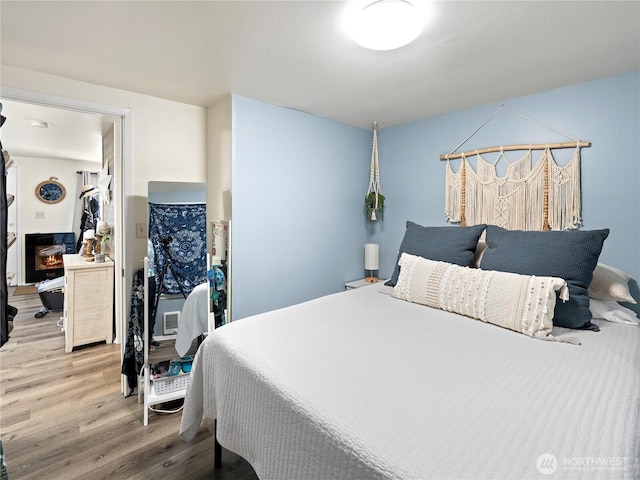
[523, 303]
[613, 312]
[610, 283]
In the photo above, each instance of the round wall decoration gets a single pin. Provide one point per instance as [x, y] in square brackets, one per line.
[50, 191]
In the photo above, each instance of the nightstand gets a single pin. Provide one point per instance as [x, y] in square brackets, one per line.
[88, 301]
[361, 283]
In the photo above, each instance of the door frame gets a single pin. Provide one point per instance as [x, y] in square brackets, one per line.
[122, 188]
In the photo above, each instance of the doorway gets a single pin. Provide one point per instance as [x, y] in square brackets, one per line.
[121, 118]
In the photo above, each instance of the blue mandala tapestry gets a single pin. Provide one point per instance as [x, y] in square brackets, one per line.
[178, 233]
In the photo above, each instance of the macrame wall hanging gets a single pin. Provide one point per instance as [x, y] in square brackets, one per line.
[540, 197]
[374, 200]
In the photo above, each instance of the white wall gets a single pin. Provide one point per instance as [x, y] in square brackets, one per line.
[219, 148]
[167, 140]
[58, 217]
[162, 139]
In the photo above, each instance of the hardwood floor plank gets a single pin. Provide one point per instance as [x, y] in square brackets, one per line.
[62, 416]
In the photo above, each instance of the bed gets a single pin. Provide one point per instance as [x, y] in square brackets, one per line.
[363, 384]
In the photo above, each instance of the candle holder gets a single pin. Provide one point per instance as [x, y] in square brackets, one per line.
[88, 248]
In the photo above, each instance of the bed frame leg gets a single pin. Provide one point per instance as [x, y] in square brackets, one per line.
[217, 448]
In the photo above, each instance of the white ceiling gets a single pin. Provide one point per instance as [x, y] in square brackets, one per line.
[297, 54]
[71, 135]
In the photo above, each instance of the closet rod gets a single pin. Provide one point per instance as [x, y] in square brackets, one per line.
[509, 148]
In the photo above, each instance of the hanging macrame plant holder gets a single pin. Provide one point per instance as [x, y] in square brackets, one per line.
[374, 200]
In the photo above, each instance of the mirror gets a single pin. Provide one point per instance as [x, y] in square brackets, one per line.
[177, 251]
[176, 289]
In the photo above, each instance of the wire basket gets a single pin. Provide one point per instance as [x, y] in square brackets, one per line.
[171, 383]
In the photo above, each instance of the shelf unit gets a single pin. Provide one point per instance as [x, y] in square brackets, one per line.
[146, 387]
[6, 240]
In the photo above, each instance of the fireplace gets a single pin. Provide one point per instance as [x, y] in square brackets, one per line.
[43, 254]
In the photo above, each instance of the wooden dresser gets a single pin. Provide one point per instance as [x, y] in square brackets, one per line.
[88, 301]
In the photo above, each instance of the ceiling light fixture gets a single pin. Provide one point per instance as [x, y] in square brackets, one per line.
[387, 24]
[39, 124]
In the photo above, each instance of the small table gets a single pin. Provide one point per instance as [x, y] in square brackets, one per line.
[362, 283]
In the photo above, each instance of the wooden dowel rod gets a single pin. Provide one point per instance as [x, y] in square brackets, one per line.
[509, 148]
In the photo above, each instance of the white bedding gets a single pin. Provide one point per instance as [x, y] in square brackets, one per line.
[359, 385]
[193, 318]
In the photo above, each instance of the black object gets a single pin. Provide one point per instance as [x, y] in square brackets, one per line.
[35, 245]
[51, 294]
[4, 218]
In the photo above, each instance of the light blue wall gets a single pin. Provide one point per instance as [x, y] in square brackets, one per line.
[605, 112]
[298, 186]
[289, 247]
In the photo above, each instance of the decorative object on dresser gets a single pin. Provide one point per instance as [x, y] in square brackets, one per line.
[103, 230]
[87, 248]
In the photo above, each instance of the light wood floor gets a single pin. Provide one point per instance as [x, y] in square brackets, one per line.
[62, 416]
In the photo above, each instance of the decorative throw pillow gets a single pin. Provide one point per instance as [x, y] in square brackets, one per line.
[610, 283]
[570, 254]
[522, 303]
[446, 244]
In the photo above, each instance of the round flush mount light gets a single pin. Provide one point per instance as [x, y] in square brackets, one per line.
[386, 24]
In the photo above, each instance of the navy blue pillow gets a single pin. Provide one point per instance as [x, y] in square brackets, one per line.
[570, 254]
[443, 244]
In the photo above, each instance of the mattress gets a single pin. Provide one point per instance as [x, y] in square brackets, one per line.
[360, 385]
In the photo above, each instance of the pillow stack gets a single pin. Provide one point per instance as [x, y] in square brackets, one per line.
[570, 255]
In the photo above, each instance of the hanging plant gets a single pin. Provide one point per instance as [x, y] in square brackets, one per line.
[374, 200]
[373, 206]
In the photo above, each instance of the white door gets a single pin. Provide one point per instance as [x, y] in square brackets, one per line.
[14, 252]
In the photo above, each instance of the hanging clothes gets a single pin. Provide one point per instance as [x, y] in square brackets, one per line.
[89, 220]
[133, 359]
[4, 218]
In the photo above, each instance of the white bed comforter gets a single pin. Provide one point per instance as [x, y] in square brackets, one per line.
[359, 385]
[193, 318]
